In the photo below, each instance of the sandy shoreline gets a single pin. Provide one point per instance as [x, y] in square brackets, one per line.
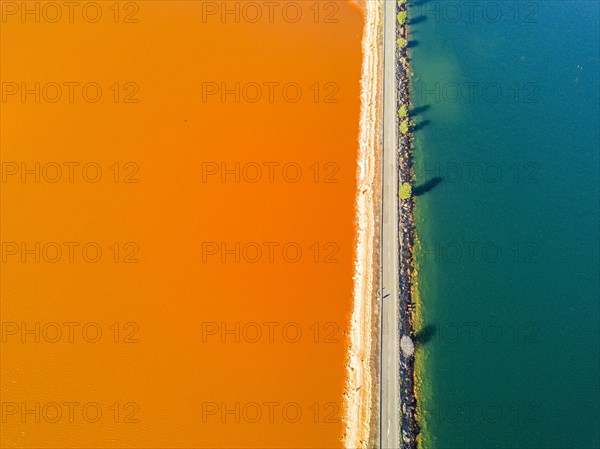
[361, 395]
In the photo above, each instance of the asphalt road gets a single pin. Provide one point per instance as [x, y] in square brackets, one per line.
[390, 359]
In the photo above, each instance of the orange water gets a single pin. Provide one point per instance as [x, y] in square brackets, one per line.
[197, 349]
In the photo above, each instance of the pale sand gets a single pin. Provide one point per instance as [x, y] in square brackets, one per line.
[361, 396]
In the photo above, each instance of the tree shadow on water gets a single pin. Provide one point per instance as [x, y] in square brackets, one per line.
[412, 44]
[416, 20]
[427, 186]
[419, 126]
[425, 335]
[419, 110]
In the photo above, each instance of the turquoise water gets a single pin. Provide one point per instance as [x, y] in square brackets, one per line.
[507, 98]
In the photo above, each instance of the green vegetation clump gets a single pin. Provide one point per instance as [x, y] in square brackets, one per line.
[405, 191]
[403, 112]
[404, 125]
[401, 17]
[402, 43]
